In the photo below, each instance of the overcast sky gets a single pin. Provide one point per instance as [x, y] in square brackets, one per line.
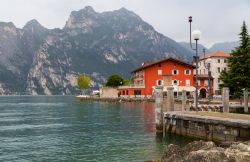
[219, 20]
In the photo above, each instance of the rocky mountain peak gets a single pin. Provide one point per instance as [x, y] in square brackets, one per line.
[82, 18]
[7, 24]
[8, 28]
[33, 25]
[123, 10]
[88, 9]
[32, 22]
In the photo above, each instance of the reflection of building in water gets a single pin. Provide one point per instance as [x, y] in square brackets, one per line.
[148, 117]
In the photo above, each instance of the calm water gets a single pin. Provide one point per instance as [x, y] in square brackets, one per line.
[60, 128]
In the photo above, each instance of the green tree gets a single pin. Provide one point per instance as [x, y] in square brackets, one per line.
[115, 81]
[126, 81]
[238, 75]
[83, 82]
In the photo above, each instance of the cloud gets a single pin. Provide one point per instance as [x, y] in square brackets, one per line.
[218, 20]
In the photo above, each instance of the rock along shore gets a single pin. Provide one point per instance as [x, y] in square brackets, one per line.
[201, 151]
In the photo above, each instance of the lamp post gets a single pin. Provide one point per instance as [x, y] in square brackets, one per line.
[196, 36]
[208, 66]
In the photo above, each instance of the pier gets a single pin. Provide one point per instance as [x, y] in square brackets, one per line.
[213, 126]
[218, 123]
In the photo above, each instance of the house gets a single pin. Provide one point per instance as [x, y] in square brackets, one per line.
[165, 72]
[218, 62]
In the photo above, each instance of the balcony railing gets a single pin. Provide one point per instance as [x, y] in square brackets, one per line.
[131, 86]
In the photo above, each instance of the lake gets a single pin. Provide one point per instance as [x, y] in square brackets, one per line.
[61, 128]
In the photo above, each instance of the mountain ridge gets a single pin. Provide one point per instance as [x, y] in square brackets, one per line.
[48, 61]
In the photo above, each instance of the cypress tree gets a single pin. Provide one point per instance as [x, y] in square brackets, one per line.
[237, 77]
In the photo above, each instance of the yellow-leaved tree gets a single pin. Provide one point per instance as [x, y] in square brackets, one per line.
[83, 82]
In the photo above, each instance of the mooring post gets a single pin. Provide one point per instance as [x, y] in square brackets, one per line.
[184, 100]
[245, 101]
[158, 110]
[225, 99]
[170, 98]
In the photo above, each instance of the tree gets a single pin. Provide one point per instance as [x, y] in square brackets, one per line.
[126, 81]
[237, 77]
[83, 82]
[115, 81]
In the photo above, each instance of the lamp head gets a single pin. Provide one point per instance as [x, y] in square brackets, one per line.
[196, 34]
[190, 19]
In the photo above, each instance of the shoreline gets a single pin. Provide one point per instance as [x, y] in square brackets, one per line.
[206, 151]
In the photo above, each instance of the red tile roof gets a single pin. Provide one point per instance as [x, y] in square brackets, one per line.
[151, 63]
[215, 54]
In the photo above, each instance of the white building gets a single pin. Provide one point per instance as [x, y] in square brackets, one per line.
[218, 62]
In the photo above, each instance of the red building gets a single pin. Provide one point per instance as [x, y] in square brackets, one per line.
[166, 72]
[203, 85]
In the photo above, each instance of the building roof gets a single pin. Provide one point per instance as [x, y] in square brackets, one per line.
[151, 63]
[215, 54]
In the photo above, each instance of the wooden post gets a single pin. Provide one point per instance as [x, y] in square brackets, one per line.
[245, 101]
[170, 98]
[158, 110]
[225, 99]
[184, 100]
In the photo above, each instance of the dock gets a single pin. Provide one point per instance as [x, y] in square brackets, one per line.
[213, 126]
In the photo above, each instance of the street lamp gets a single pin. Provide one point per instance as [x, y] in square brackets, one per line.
[196, 34]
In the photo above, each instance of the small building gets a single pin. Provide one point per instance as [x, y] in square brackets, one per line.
[108, 92]
[165, 72]
[218, 62]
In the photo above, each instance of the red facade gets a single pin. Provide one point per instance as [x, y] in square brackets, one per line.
[150, 75]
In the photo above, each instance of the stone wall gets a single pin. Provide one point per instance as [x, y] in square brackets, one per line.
[108, 92]
[208, 129]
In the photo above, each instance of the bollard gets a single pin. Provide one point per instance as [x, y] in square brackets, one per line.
[225, 99]
[170, 98]
[158, 110]
[184, 100]
[246, 101]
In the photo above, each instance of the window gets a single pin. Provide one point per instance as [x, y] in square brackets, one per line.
[159, 72]
[225, 68]
[199, 82]
[126, 92]
[205, 82]
[187, 72]
[175, 82]
[159, 82]
[218, 80]
[218, 69]
[188, 82]
[175, 72]
[218, 60]
[225, 60]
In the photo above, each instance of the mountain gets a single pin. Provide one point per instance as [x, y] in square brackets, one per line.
[200, 48]
[37, 60]
[224, 46]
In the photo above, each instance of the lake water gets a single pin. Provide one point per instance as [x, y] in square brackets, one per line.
[61, 128]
